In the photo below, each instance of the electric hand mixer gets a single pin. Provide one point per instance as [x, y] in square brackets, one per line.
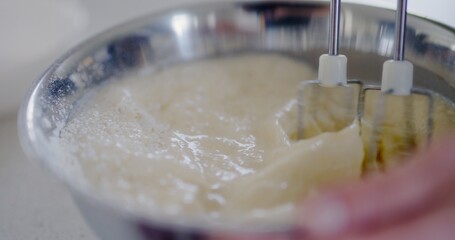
[349, 96]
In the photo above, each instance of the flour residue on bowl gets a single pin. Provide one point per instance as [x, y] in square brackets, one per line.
[210, 140]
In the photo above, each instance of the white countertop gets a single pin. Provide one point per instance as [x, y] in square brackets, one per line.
[34, 205]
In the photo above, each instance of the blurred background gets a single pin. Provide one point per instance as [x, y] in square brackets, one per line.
[35, 33]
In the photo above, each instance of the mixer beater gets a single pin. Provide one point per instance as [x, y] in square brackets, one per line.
[377, 108]
[396, 83]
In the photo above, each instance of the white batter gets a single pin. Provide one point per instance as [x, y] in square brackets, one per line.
[209, 139]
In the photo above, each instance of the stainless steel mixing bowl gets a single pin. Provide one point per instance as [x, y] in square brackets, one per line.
[212, 30]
